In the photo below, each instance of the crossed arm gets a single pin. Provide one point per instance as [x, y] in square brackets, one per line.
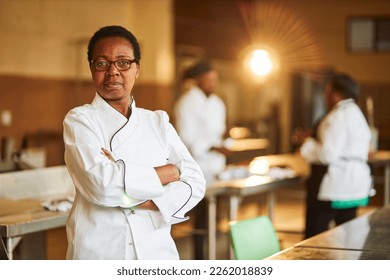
[167, 173]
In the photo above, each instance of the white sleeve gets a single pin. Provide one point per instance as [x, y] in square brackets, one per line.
[181, 196]
[331, 140]
[98, 179]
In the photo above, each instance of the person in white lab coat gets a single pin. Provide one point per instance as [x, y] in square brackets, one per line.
[200, 117]
[133, 175]
[340, 179]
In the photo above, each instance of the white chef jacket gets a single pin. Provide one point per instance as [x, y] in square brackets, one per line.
[104, 222]
[201, 124]
[343, 144]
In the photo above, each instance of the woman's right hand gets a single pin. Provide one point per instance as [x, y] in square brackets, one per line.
[148, 205]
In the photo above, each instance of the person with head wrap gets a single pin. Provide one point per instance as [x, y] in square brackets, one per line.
[201, 123]
[201, 119]
[340, 179]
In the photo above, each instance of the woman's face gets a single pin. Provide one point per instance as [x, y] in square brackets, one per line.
[113, 85]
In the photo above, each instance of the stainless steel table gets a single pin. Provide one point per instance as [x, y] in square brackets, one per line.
[21, 193]
[253, 185]
[20, 217]
[382, 159]
[235, 189]
[310, 253]
[365, 237]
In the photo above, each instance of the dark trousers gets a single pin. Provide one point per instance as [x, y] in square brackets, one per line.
[201, 226]
[320, 213]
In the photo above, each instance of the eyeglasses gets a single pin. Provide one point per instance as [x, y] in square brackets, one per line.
[120, 64]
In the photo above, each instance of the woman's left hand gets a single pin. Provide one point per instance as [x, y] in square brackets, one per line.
[167, 173]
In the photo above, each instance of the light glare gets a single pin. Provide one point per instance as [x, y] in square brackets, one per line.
[259, 167]
[261, 63]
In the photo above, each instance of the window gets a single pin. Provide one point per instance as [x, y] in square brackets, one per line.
[368, 34]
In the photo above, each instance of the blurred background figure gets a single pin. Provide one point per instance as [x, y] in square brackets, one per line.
[340, 179]
[201, 123]
[201, 119]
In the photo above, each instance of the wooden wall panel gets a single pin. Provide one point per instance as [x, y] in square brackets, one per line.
[39, 105]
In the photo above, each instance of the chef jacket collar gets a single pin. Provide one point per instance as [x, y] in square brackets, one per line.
[344, 102]
[109, 111]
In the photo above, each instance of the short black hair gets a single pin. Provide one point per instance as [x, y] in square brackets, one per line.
[197, 69]
[114, 31]
[345, 85]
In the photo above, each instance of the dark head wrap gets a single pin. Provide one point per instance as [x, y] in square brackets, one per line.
[346, 85]
[198, 69]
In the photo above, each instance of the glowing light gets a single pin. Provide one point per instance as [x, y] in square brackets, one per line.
[261, 63]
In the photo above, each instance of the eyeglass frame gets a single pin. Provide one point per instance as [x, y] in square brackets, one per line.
[134, 60]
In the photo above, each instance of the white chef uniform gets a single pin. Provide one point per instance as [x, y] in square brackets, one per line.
[343, 144]
[201, 124]
[104, 222]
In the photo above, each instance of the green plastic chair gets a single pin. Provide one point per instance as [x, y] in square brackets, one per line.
[254, 239]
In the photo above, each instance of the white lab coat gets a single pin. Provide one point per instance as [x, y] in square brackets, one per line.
[101, 223]
[343, 144]
[201, 124]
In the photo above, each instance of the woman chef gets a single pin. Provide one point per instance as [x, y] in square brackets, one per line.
[134, 177]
